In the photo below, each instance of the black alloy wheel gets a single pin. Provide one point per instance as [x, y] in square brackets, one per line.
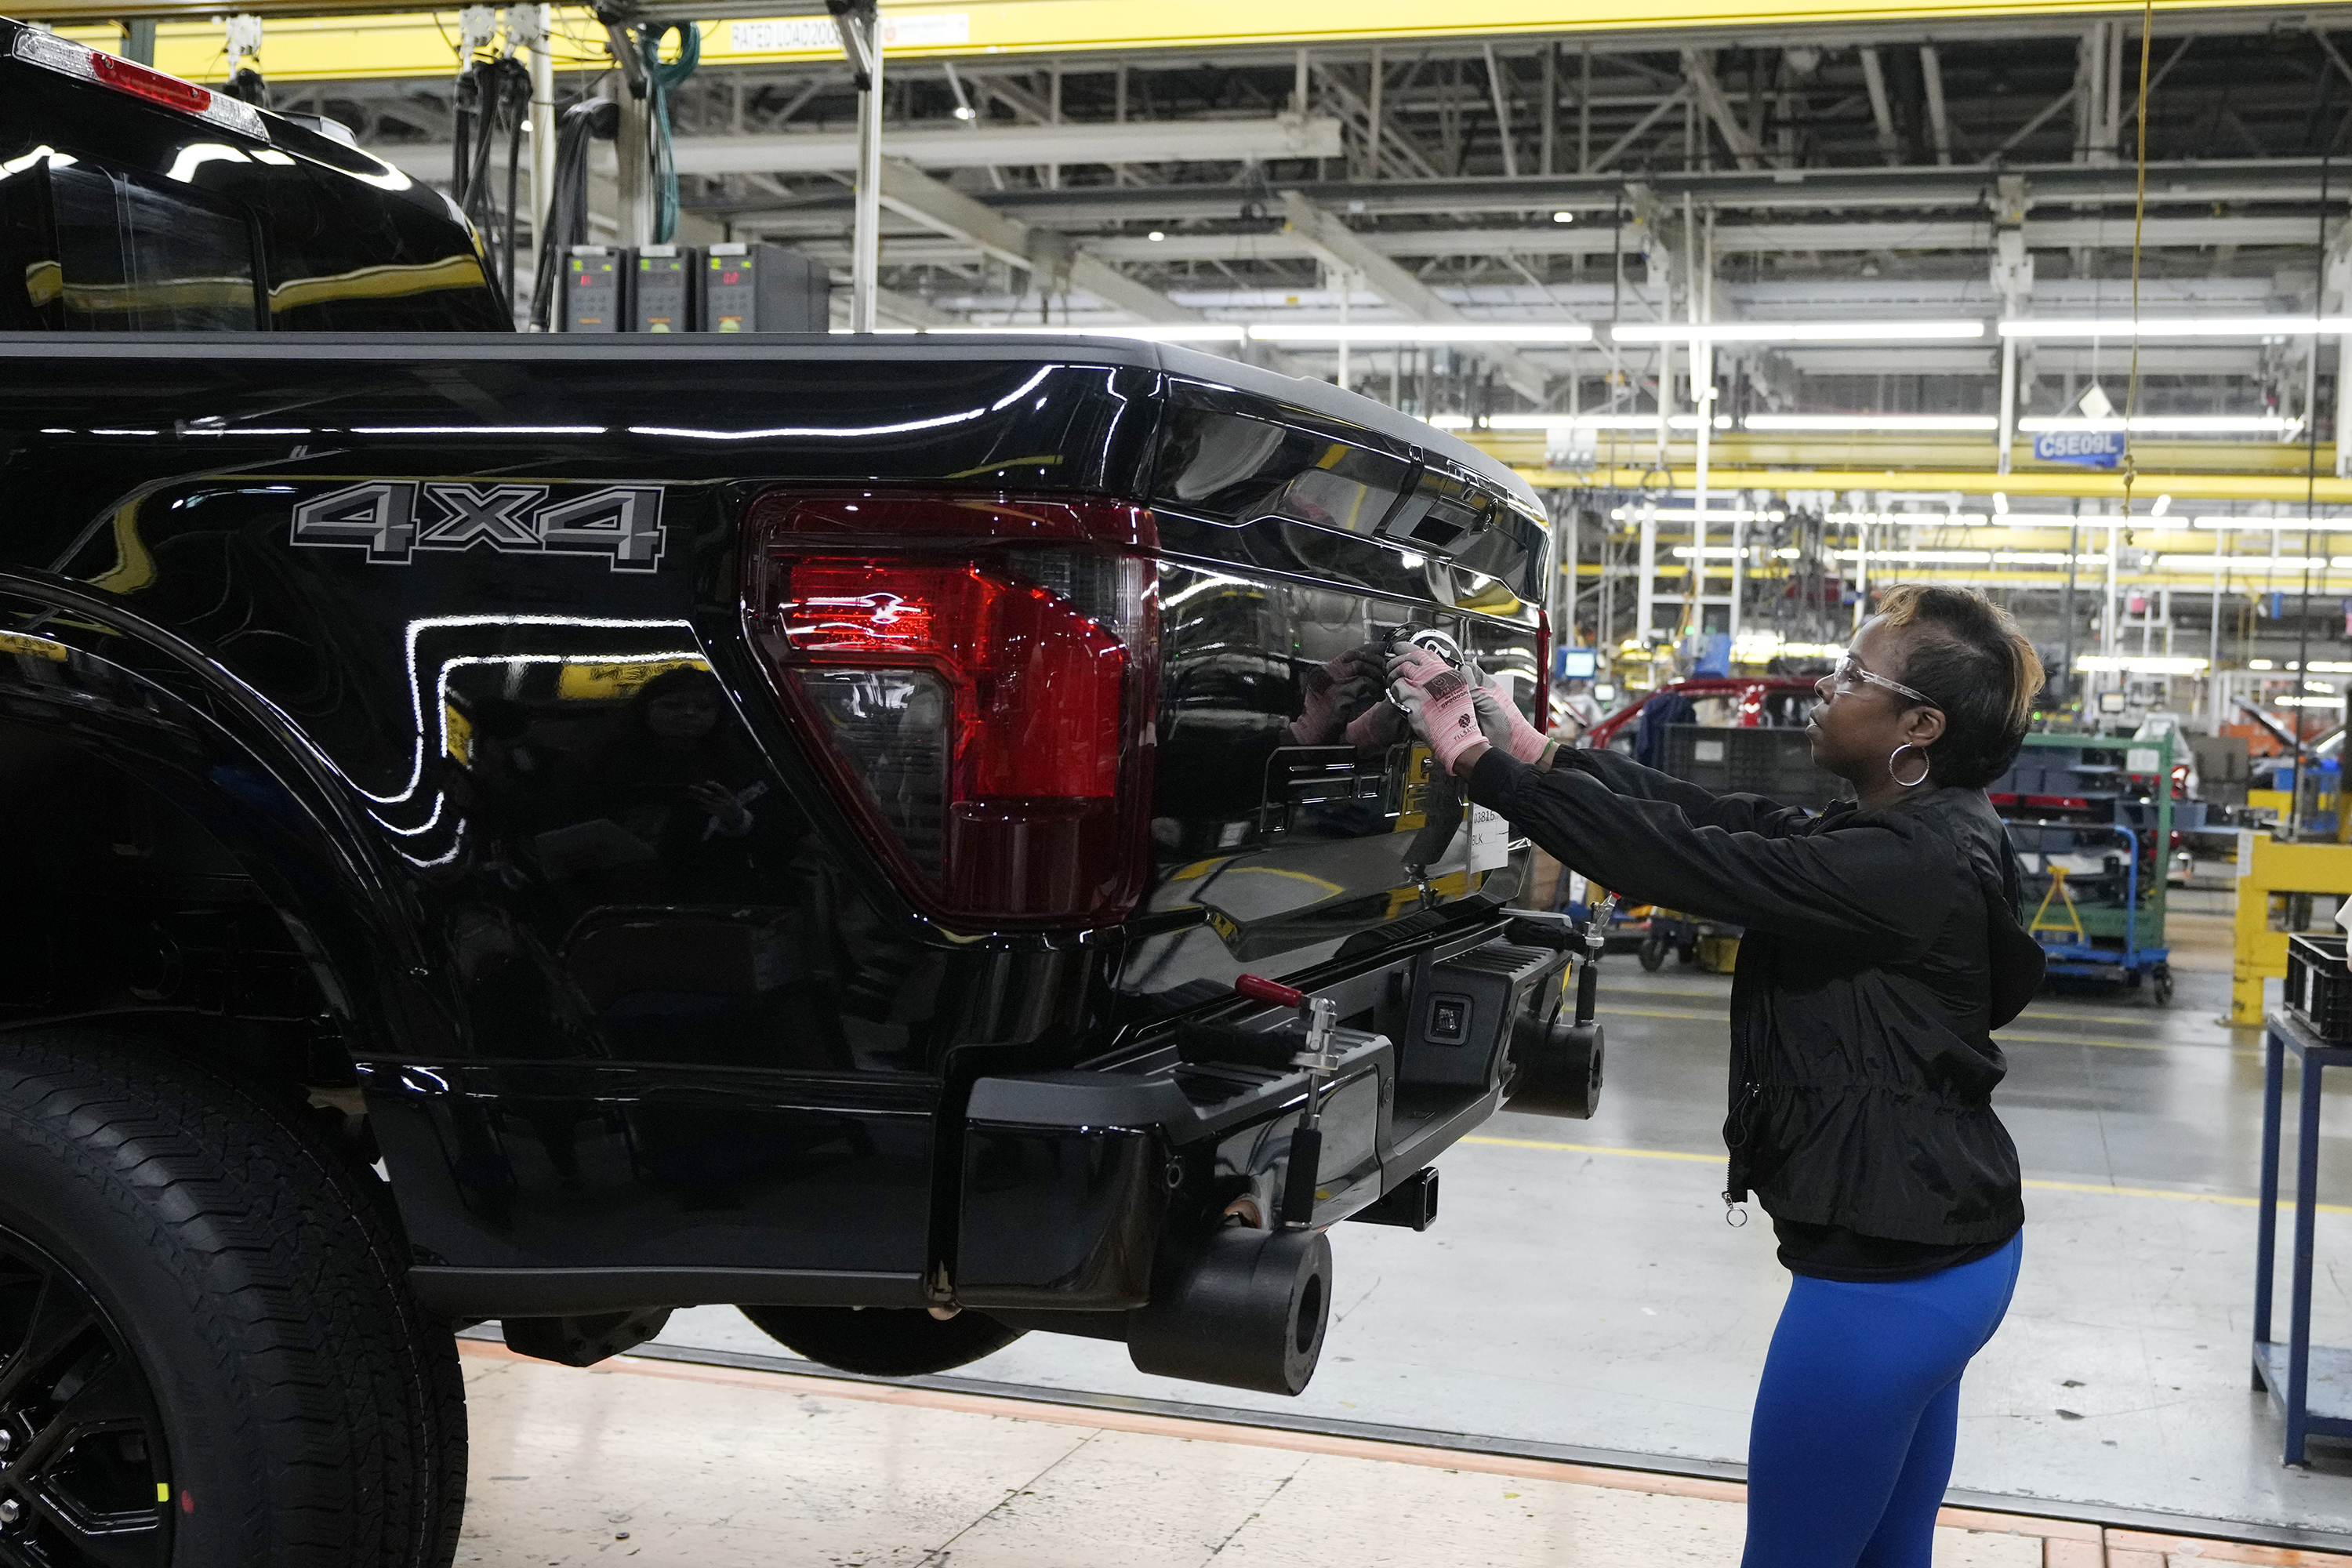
[209, 1353]
[84, 1478]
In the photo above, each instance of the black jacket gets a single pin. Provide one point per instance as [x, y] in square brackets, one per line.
[1881, 949]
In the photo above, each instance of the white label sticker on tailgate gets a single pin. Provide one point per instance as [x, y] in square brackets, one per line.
[1490, 839]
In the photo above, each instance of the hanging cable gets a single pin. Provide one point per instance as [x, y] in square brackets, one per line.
[2139, 225]
[516, 101]
[492, 93]
[593, 119]
[662, 77]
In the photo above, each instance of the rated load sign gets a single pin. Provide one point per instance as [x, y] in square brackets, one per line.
[2087, 448]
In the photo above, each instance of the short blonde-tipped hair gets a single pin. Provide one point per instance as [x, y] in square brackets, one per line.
[1967, 654]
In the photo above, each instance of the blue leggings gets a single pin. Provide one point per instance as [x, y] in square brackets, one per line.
[1852, 1444]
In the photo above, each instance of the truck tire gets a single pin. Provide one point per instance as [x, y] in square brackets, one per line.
[208, 1335]
[882, 1341]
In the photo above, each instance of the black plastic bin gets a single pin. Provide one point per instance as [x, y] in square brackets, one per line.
[2318, 986]
[1773, 763]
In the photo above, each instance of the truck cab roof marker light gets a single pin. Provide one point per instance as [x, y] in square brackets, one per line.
[68, 59]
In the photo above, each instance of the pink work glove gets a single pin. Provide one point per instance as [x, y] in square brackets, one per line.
[1331, 690]
[1500, 720]
[1436, 699]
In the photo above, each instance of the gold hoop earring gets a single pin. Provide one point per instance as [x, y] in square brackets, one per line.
[1898, 778]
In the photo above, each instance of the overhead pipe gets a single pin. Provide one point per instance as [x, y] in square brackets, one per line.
[859, 22]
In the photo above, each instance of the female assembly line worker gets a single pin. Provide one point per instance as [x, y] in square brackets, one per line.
[1881, 947]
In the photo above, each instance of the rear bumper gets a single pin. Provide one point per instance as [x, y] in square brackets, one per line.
[1073, 1183]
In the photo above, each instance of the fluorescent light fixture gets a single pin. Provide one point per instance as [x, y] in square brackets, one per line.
[1920, 557]
[1156, 236]
[1688, 514]
[2282, 524]
[1423, 332]
[2000, 504]
[1714, 553]
[1157, 332]
[2179, 327]
[2174, 424]
[2252, 565]
[2046, 558]
[1760, 646]
[1906, 423]
[2163, 504]
[2307, 701]
[1792, 331]
[1598, 422]
[2260, 664]
[1911, 519]
[2140, 663]
[1450, 421]
[1563, 216]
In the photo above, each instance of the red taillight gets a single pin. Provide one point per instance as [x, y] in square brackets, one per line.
[978, 678]
[129, 75]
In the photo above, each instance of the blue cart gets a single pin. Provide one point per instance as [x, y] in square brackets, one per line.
[2081, 958]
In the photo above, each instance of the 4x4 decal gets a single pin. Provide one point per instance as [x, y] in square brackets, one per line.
[391, 519]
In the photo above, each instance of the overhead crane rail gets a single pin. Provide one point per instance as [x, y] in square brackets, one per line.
[752, 32]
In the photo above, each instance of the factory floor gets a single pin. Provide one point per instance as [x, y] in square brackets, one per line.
[667, 1465]
[1560, 1371]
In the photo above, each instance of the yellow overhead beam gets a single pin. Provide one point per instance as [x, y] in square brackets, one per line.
[1061, 26]
[342, 48]
[1735, 450]
[2089, 484]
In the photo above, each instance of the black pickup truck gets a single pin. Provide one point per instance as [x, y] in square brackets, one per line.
[550, 830]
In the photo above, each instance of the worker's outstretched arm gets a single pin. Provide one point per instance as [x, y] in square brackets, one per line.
[1624, 776]
[1871, 888]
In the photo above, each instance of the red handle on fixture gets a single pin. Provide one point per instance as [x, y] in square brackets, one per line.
[1259, 989]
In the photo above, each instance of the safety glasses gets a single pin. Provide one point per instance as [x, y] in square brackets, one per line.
[1850, 676]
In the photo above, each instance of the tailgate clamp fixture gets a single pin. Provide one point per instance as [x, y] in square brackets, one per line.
[1321, 1061]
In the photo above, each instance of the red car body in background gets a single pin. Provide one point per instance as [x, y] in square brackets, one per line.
[1757, 702]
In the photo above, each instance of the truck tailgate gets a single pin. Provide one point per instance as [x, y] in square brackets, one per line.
[1286, 817]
